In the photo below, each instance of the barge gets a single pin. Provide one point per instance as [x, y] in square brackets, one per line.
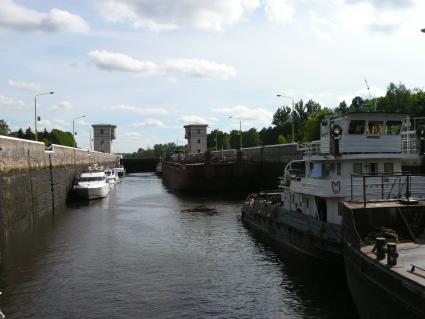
[384, 255]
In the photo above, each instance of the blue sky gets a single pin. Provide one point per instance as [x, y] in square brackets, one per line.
[152, 66]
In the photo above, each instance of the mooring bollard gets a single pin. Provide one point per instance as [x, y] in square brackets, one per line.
[380, 248]
[392, 254]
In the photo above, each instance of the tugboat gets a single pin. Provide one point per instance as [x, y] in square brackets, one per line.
[304, 213]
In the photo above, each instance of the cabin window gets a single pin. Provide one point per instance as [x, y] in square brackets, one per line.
[356, 127]
[338, 168]
[358, 168]
[392, 127]
[375, 127]
[373, 168]
[388, 168]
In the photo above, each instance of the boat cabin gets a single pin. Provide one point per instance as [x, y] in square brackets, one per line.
[359, 157]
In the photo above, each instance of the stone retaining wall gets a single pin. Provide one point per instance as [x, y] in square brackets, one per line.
[34, 182]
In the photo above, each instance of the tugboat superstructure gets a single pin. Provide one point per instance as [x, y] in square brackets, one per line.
[307, 216]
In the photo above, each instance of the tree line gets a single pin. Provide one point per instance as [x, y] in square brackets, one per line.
[55, 136]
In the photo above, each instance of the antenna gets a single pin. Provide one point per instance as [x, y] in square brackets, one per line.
[370, 95]
[368, 88]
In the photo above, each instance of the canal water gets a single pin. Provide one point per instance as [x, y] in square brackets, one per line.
[144, 253]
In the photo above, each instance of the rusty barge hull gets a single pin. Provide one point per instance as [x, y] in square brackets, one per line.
[217, 177]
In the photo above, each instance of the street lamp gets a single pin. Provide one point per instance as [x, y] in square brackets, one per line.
[240, 131]
[73, 126]
[35, 112]
[293, 108]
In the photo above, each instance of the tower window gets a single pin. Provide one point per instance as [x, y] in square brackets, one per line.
[101, 131]
[199, 141]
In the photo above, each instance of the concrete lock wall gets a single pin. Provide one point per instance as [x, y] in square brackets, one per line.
[34, 182]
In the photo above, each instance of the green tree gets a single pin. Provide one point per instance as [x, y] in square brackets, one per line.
[61, 138]
[311, 128]
[281, 139]
[29, 135]
[252, 138]
[4, 128]
[342, 108]
[282, 116]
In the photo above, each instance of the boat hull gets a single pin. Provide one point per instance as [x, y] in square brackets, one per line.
[92, 193]
[217, 177]
[377, 292]
[298, 232]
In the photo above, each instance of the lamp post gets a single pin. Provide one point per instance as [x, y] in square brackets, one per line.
[216, 139]
[292, 117]
[35, 112]
[73, 126]
[240, 132]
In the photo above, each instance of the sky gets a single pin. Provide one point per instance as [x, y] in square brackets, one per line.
[151, 66]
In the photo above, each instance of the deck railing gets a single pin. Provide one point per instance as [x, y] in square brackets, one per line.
[375, 187]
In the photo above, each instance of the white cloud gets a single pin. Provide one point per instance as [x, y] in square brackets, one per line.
[279, 11]
[363, 93]
[200, 68]
[25, 86]
[137, 110]
[150, 123]
[376, 16]
[192, 119]
[20, 18]
[10, 103]
[133, 134]
[112, 61]
[242, 112]
[62, 106]
[60, 121]
[385, 3]
[169, 14]
[83, 122]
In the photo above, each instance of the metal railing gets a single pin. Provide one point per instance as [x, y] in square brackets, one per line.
[386, 186]
[311, 148]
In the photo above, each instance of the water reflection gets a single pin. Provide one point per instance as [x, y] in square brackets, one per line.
[144, 253]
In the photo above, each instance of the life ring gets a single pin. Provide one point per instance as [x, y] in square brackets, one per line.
[420, 133]
[336, 132]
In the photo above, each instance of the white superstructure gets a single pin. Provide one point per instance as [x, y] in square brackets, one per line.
[359, 157]
[111, 177]
[92, 185]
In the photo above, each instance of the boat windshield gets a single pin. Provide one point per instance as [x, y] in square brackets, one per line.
[91, 179]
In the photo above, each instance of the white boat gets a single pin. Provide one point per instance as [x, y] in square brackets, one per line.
[111, 177]
[120, 171]
[158, 169]
[92, 185]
